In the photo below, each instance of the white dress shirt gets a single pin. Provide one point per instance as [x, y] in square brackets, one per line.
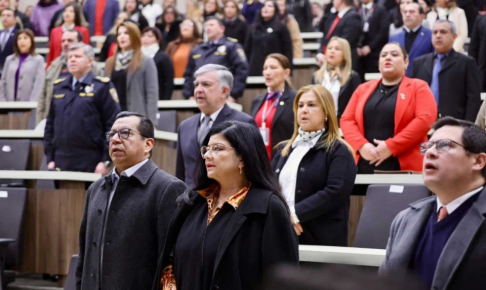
[333, 86]
[213, 116]
[453, 205]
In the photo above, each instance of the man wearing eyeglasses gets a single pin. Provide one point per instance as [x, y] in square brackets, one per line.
[442, 239]
[127, 213]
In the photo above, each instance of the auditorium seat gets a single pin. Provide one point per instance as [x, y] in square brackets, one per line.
[382, 203]
[71, 277]
[14, 155]
[13, 209]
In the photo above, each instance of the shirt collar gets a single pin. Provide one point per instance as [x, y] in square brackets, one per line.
[446, 54]
[213, 116]
[342, 12]
[414, 30]
[10, 29]
[212, 192]
[453, 205]
[80, 80]
[369, 5]
[128, 172]
[311, 143]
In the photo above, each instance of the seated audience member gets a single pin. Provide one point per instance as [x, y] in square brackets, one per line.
[57, 19]
[217, 50]
[316, 170]
[317, 14]
[477, 48]
[414, 38]
[250, 10]
[7, 34]
[236, 211]
[109, 46]
[441, 238]
[180, 49]
[235, 25]
[23, 20]
[169, 25]
[374, 37]
[452, 76]
[133, 74]
[152, 47]
[42, 15]
[151, 11]
[23, 72]
[82, 110]
[101, 15]
[267, 35]
[212, 87]
[448, 10]
[302, 11]
[293, 28]
[134, 14]
[336, 74]
[273, 111]
[387, 119]
[71, 19]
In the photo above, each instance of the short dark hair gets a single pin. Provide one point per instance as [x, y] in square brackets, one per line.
[156, 32]
[473, 137]
[145, 127]
[220, 21]
[79, 35]
[30, 34]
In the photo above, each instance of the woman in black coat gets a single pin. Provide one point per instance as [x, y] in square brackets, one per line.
[316, 170]
[235, 25]
[235, 220]
[132, 9]
[169, 24]
[152, 47]
[267, 35]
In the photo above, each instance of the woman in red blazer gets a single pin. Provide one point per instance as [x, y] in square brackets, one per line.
[387, 119]
[71, 18]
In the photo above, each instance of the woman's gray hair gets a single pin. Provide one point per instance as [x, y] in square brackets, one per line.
[452, 25]
[88, 49]
[225, 77]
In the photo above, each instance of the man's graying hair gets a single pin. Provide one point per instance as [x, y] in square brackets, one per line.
[225, 77]
[88, 50]
[452, 25]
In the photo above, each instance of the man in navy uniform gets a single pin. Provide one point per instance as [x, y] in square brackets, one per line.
[217, 50]
[83, 109]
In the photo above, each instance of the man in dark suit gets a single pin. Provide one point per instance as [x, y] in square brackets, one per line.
[442, 238]
[7, 36]
[477, 47]
[346, 23]
[414, 38]
[212, 87]
[374, 37]
[453, 77]
[127, 213]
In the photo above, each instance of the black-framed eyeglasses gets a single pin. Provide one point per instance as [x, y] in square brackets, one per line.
[122, 134]
[442, 145]
[214, 149]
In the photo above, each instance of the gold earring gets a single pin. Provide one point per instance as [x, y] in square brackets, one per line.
[241, 170]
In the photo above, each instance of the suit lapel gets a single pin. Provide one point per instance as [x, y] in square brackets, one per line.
[192, 134]
[429, 66]
[223, 115]
[403, 99]
[281, 105]
[449, 61]
[256, 108]
[417, 43]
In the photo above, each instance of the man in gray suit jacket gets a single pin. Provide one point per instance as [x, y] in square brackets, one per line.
[127, 213]
[212, 87]
[442, 238]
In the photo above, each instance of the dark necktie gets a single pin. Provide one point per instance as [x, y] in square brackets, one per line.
[203, 129]
[77, 87]
[434, 84]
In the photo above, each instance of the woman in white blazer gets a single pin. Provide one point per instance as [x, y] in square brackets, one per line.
[448, 9]
[23, 72]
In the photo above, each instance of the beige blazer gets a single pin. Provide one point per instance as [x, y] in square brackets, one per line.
[31, 78]
[297, 42]
[457, 16]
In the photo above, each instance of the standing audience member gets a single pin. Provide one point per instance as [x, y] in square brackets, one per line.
[336, 74]
[42, 15]
[134, 14]
[302, 11]
[169, 25]
[152, 47]
[250, 10]
[452, 76]
[316, 171]
[387, 119]
[101, 15]
[396, 19]
[293, 28]
[57, 19]
[151, 11]
[477, 48]
[235, 25]
[28, 11]
[213, 85]
[194, 12]
[416, 40]
[4, 4]
[180, 49]
[442, 238]
[24, 19]
[90, 104]
[273, 111]
[211, 9]
[71, 19]
[448, 10]
[125, 223]
[7, 36]
[217, 50]
[133, 74]
[23, 73]
[109, 46]
[347, 24]
[374, 37]
[267, 35]
[317, 14]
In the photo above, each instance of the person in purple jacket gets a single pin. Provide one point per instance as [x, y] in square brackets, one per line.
[42, 15]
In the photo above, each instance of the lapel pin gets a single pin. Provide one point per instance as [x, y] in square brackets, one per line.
[402, 96]
[282, 103]
[421, 33]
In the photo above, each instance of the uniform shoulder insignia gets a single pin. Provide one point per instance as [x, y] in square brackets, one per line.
[232, 39]
[103, 79]
[59, 81]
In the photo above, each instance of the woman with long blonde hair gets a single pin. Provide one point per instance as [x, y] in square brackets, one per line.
[316, 170]
[336, 74]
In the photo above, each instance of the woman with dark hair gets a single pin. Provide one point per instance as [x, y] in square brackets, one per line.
[168, 24]
[151, 11]
[211, 8]
[179, 49]
[152, 47]
[109, 46]
[293, 27]
[235, 25]
[134, 14]
[273, 111]
[250, 10]
[42, 15]
[267, 35]
[23, 72]
[235, 220]
[71, 18]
